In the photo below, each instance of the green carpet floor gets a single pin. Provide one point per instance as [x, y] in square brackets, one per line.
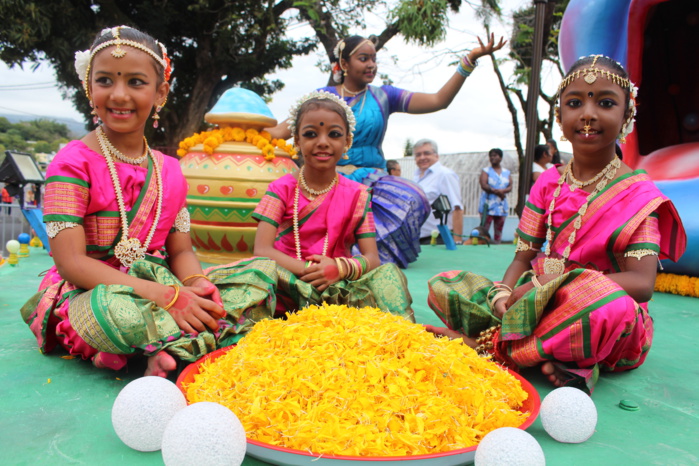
[58, 411]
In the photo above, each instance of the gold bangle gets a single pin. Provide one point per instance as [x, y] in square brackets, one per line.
[194, 275]
[340, 271]
[174, 300]
[536, 282]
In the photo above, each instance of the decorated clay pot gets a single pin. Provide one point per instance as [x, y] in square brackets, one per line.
[225, 186]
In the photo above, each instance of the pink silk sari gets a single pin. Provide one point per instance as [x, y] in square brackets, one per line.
[582, 321]
[80, 190]
[343, 214]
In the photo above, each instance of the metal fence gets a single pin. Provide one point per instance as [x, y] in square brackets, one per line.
[12, 223]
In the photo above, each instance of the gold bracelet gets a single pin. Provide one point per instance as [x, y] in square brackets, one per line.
[174, 300]
[194, 275]
[536, 282]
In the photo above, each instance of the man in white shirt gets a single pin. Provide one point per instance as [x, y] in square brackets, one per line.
[436, 179]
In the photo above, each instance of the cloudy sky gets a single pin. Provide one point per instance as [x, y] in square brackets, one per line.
[477, 119]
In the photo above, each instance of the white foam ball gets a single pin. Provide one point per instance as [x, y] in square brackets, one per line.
[509, 446]
[204, 433]
[568, 415]
[143, 409]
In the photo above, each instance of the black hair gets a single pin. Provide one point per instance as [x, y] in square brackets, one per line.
[351, 43]
[316, 103]
[496, 151]
[539, 151]
[129, 33]
[391, 165]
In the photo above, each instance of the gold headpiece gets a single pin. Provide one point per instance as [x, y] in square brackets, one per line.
[83, 59]
[590, 76]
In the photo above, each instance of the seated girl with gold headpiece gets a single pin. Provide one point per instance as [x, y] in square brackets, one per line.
[580, 305]
[126, 281]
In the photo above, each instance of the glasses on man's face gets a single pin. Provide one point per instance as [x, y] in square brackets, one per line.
[423, 154]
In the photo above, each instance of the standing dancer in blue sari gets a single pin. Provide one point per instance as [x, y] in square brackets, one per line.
[399, 205]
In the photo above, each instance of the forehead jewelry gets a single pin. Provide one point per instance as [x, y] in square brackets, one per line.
[321, 95]
[83, 59]
[590, 94]
[590, 75]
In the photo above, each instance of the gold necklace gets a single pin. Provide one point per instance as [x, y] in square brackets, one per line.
[302, 180]
[129, 250]
[575, 183]
[342, 95]
[352, 93]
[297, 239]
[558, 266]
[119, 155]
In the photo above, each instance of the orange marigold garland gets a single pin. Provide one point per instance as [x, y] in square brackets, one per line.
[213, 138]
[677, 284]
[347, 381]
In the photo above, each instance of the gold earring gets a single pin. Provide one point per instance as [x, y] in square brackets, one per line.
[156, 117]
[95, 118]
[563, 138]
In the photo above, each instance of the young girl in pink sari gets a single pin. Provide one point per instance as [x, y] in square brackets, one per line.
[126, 280]
[579, 305]
[309, 221]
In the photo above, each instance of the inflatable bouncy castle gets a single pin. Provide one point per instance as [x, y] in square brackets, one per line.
[657, 41]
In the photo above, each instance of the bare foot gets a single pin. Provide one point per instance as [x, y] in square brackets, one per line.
[553, 374]
[104, 360]
[452, 334]
[160, 364]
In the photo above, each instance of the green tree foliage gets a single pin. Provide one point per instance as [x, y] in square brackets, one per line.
[32, 136]
[521, 48]
[213, 44]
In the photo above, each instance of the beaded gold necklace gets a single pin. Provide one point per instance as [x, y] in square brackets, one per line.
[313, 192]
[557, 266]
[577, 184]
[297, 239]
[116, 153]
[129, 250]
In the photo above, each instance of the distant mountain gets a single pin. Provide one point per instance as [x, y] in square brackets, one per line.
[76, 128]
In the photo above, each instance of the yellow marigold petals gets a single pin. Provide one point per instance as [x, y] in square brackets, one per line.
[340, 380]
[213, 138]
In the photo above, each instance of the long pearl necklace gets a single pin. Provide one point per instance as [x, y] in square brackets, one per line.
[313, 192]
[297, 239]
[557, 266]
[119, 155]
[129, 250]
[575, 183]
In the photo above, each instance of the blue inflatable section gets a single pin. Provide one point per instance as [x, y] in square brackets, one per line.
[684, 195]
[593, 27]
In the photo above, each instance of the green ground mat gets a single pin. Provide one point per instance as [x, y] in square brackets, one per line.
[58, 411]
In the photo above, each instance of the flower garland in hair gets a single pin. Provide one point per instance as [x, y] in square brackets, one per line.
[337, 69]
[321, 95]
[213, 138]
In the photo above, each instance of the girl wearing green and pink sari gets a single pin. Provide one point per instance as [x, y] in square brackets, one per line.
[126, 281]
[309, 221]
[574, 300]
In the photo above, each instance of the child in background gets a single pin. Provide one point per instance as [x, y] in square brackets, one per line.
[580, 305]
